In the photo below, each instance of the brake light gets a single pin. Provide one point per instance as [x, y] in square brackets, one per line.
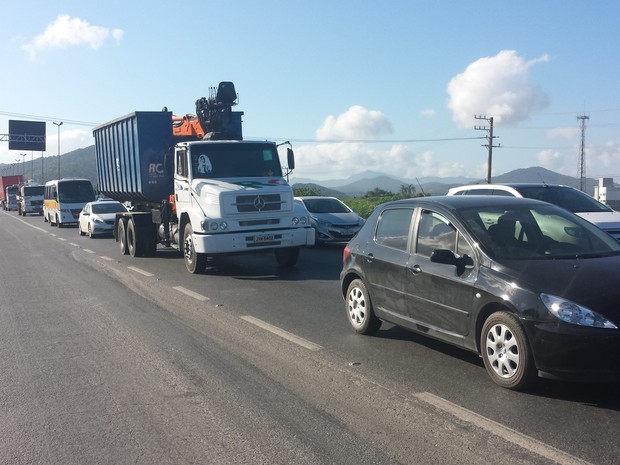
[345, 253]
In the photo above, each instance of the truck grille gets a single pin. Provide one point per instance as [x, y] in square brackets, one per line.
[258, 203]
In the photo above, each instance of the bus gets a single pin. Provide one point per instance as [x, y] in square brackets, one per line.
[64, 199]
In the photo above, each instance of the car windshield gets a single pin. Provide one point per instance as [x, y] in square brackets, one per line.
[109, 207]
[566, 197]
[325, 206]
[235, 160]
[536, 232]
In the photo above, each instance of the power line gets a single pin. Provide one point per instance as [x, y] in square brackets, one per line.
[51, 119]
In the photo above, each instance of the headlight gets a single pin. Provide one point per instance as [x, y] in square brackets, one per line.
[325, 224]
[575, 314]
[98, 220]
[213, 225]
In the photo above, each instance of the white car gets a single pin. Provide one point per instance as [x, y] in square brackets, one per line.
[566, 197]
[332, 220]
[97, 218]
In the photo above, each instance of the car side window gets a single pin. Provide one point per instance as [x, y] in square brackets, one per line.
[434, 232]
[393, 228]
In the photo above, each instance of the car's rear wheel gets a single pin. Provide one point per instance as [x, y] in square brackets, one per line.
[506, 353]
[359, 309]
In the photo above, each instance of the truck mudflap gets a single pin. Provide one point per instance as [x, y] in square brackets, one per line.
[250, 241]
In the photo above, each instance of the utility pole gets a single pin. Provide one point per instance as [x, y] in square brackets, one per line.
[582, 153]
[489, 143]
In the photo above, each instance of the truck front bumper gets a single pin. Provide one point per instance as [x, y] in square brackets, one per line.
[251, 241]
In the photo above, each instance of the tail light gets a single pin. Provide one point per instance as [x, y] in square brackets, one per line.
[345, 253]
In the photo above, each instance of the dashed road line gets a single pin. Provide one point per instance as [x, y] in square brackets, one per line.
[138, 270]
[109, 259]
[282, 333]
[88, 251]
[189, 293]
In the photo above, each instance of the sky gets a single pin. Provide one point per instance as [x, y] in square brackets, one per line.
[402, 87]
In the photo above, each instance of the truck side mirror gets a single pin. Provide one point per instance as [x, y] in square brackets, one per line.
[290, 158]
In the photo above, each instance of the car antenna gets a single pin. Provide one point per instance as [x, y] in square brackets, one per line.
[541, 178]
[420, 185]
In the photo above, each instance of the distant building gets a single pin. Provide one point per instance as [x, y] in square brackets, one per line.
[606, 192]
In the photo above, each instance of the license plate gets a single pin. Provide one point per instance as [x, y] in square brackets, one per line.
[265, 238]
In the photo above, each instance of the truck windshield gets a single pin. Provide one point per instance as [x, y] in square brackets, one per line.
[235, 160]
[34, 190]
[75, 191]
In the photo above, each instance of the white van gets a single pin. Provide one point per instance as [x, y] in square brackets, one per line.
[64, 200]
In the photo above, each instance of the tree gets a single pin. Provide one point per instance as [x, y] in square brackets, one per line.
[376, 192]
[305, 191]
[407, 191]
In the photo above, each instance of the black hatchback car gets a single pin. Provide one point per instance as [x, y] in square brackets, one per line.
[531, 287]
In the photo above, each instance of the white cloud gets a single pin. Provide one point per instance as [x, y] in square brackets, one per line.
[552, 160]
[66, 31]
[357, 123]
[429, 112]
[566, 132]
[496, 86]
[347, 159]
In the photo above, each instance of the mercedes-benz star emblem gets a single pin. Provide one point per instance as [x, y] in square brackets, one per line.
[259, 203]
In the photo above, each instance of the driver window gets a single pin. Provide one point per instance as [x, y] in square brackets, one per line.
[181, 161]
[434, 232]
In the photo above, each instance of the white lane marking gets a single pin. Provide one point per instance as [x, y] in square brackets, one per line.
[74, 244]
[106, 258]
[62, 239]
[88, 251]
[190, 293]
[497, 429]
[52, 234]
[282, 333]
[138, 270]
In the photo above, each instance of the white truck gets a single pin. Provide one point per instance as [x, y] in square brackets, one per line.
[30, 199]
[195, 185]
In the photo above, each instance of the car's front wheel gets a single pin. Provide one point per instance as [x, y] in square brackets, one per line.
[359, 309]
[506, 353]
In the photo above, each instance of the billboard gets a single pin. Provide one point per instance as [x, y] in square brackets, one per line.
[27, 135]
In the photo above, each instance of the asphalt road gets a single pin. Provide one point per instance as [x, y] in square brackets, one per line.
[109, 359]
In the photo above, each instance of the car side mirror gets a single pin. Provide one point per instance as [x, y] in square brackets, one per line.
[444, 256]
[447, 257]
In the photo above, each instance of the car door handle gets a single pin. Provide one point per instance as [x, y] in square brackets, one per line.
[415, 269]
[370, 257]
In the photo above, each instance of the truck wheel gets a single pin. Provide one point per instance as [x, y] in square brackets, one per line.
[134, 243]
[194, 262]
[121, 234]
[287, 256]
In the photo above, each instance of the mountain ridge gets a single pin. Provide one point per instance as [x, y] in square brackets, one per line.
[81, 163]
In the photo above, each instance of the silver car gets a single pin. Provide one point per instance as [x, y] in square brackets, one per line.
[332, 220]
[97, 218]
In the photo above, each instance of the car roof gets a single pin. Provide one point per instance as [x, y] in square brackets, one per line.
[465, 201]
[514, 185]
